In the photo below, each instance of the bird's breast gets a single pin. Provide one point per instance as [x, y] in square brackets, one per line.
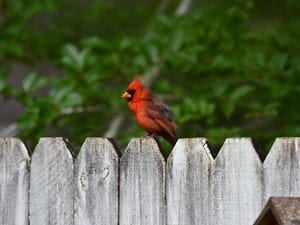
[147, 123]
[137, 107]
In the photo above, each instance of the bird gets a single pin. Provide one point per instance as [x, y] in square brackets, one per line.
[151, 114]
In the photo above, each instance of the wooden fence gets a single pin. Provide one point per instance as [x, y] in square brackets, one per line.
[140, 188]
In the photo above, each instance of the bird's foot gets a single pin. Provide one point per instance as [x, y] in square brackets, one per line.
[150, 136]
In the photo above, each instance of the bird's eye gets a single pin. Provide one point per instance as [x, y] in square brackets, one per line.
[131, 92]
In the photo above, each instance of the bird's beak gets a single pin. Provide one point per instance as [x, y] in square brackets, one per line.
[126, 95]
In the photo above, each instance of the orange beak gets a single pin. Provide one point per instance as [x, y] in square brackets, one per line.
[126, 95]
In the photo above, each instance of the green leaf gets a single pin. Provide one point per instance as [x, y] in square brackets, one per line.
[228, 109]
[32, 82]
[66, 97]
[75, 59]
[177, 40]
[72, 99]
[279, 60]
[271, 109]
[140, 61]
[205, 107]
[29, 81]
[219, 134]
[29, 119]
[241, 92]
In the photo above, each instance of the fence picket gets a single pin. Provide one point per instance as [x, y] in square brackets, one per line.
[237, 191]
[282, 168]
[142, 184]
[96, 183]
[14, 182]
[188, 183]
[51, 183]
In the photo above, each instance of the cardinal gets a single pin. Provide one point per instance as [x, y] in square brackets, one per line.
[151, 114]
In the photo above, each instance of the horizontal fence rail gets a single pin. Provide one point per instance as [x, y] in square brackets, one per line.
[140, 187]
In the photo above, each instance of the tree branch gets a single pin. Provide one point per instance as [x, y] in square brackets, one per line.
[183, 8]
[10, 130]
[73, 110]
[115, 125]
[162, 7]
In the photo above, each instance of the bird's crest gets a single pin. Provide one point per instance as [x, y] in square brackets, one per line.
[136, 83]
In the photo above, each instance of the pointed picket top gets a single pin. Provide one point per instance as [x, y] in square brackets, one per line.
[237, 183]
[14, 182]
[13, 146]
[142, 184]
[193, 145]
[238, 147]
[96, 183]
[52, 145]
[188, 183]
[143, 145]
[282, 168]
[51, 183]
[92, 144]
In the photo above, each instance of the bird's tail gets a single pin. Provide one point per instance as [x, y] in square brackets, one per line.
[172, 139]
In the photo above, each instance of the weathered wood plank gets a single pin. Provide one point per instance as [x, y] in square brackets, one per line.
[142, 184]
[51, 184]
[280, 211]
[282, 168]
[238, 183]
[188, 183]
[14, 182]
[96, 183]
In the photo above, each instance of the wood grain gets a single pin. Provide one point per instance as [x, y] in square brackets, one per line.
[230, 190]
[237, 190]
[142, 184]
[188, 183]
[282, 168]
[51, 184]
[96, 183]
[14, 182]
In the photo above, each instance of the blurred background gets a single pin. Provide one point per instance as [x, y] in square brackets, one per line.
[226, 68]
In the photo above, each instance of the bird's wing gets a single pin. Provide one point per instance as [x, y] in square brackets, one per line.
[159, 110]
[167, 129]
[162, 115]
[163, 118]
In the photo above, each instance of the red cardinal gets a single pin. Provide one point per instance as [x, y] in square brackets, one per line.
[151, 114]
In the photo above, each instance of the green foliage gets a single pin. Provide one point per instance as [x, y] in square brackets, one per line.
[220, 76]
